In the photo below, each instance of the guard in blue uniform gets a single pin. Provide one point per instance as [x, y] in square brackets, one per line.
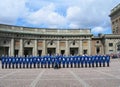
[3, 61]
[13, 62]
[42, 62]
[99, 60]
[38, 61]
[86, 60]
[49, 61]
[96, 60]
[71, 61]
[79, 61]
[82, 61]
[16, 62]
[9, 62]
[93, 61]
[27, 62]
[63, 62]
[34, 62]
[89, 60]
[31, 61]
[23, 62]
[67, 61]
[107, 60]
[103, 60]
[20, 62]
[53, 61]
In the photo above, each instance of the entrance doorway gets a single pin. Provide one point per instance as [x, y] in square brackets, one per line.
[39, 52]
[73, 51]
[4, 51]
[51, 51]
[28, 51]
[62, 52]
[16, 52]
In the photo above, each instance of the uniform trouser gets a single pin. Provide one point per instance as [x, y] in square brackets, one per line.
[75, 65]
[41, 65]
[92, 64]
[96, 64]
[34, 65]
[30, 65]
[82, 64]
[13, 65]
[100, 64]
[45, 65]
[71, 65]
[23, 65]
[48, 65]
[5, 65]
[63, 65]
[78, 65]
[20, 65]
[89, 64]
[67, 65]
[107, 64]
[2, 65]
[59, 65]
[9, 65]
[103, 64]
[38, 65]
[85, 64]
[52, 65]
[16, 65]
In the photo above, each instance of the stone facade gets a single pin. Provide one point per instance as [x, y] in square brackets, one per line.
[115, 19]
[17, 40]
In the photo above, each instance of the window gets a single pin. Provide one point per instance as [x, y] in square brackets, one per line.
[73, 42]
[110, 44]
[97, 41]
[4, 42]
[28, 42]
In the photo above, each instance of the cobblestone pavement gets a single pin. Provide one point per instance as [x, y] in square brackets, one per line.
[64, 77]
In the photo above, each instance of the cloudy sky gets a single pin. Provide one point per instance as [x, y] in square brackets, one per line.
[60, 14]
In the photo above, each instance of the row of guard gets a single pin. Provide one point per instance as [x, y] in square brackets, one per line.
[55, 61]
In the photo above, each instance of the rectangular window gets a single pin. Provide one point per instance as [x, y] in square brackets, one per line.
[110, 44]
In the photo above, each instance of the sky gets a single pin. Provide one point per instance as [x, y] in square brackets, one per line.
[60, 14]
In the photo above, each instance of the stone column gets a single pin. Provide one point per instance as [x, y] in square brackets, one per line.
[89, 47]
[21, 47]
[106, 46]
[44, 48]
[35, 49]
[12, 47]
[67, 48]
[80, 48]
[58, 47]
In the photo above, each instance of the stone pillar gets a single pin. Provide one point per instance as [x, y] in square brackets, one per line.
[44, 48]
[58, 47]
[80, 48]
[12, 47]
[21, 48]
[67, 48]
[106, 46]
[35, 49]
[89, 47]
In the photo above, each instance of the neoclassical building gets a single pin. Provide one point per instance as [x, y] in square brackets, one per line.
[17, 40]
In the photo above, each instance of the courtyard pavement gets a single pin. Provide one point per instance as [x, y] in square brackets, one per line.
[63, 77]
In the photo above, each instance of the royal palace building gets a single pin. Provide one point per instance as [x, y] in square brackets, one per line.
[15, 40]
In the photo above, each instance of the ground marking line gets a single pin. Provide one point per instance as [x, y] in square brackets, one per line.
[8, 74]
[33, 84]
[79, 79]
[108, 74]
